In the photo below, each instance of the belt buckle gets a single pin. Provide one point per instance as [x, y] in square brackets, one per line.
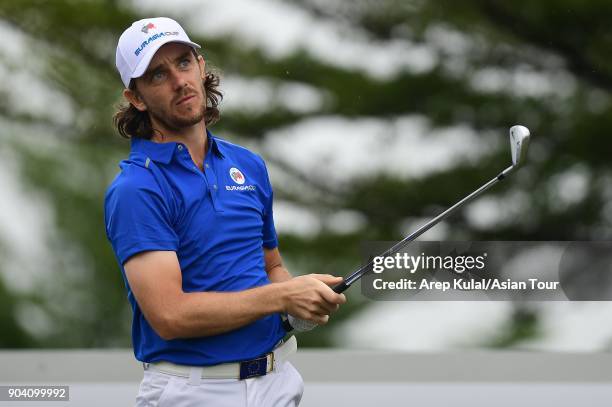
[255, 367]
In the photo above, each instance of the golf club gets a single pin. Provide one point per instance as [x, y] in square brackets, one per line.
[519, 141]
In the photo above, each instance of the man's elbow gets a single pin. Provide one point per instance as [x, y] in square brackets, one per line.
[166, 326]
[166, 333]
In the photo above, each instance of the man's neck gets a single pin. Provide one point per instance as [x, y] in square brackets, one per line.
[193, 137]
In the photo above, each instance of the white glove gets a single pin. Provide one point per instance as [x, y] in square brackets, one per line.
[301, 325]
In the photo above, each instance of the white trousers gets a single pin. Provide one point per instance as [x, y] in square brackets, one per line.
[282, 387]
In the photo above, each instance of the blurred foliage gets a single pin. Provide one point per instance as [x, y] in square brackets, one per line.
[71, 47]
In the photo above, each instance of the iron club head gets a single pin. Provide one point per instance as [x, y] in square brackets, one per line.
[519, 141]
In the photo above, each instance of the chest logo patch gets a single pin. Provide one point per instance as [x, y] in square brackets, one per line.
[237, 176]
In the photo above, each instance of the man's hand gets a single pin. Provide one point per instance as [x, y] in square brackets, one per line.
[310, 297]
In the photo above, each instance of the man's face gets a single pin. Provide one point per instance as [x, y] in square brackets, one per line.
[171, 89]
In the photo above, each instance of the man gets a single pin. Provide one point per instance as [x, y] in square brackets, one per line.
[190, 220]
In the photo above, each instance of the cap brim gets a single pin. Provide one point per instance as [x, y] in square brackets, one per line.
[146, 59]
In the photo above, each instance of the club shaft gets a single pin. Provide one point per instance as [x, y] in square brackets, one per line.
[357, 274]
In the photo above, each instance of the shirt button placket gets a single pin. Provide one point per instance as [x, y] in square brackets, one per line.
[211, 179]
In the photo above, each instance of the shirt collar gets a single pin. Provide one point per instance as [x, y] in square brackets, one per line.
[215, 145]
[163, 152]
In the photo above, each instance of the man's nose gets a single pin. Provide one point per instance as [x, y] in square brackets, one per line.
[178, 79]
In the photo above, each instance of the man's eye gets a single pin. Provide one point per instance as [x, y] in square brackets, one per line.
[184, 63]
[158, 76]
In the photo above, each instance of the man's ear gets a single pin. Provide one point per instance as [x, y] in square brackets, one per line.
[134, 98]
[202, 65]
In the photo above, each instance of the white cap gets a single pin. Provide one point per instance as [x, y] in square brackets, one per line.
[138, 44]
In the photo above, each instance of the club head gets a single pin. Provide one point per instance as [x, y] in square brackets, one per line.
[519, 142]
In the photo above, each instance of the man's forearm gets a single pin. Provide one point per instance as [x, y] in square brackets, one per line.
[212, 313]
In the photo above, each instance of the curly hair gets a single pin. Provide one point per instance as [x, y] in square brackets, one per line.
[131, 122]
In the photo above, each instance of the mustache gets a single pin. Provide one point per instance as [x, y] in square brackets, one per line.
[184, 94]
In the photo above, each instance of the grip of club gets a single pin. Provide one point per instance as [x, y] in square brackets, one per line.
[340, 288]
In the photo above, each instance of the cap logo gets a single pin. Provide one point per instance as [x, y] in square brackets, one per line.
[152, 38]
[147, 27]
[237, 176]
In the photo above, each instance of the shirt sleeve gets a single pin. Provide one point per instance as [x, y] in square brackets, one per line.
[270, 240]
[138, 219]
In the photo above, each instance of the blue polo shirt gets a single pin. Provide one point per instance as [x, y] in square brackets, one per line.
[217, 221]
